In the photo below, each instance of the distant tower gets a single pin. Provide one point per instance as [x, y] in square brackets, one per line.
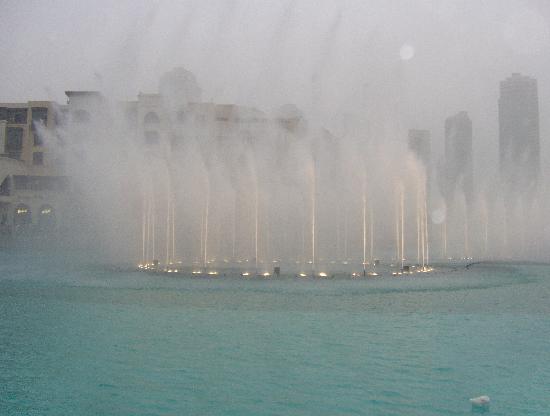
[519, 141]
[458, 157]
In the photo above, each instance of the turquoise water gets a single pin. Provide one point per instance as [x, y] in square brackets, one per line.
[90, 340]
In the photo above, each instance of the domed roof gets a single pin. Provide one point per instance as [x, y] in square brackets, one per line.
[179, 86]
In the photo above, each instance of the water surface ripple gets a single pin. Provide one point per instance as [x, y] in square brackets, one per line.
[91, 340]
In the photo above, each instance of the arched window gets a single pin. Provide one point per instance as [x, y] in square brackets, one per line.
[151, 137]
[46, 217]
[22, 215]
[151, 118]
[81, 116]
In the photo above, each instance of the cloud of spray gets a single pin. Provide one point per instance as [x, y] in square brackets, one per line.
[362, 73]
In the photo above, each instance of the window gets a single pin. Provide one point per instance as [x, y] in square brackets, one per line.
[38, 158]
[151, 118]
[38, 139]
[3, 113]
[39, 116]
[17, 115]
[14, 142]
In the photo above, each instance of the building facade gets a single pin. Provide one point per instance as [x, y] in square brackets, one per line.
[31, 184]
[41, 141]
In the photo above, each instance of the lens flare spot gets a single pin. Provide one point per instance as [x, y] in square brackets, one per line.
[406, 52]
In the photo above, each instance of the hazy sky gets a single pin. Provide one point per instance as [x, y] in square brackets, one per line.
[417, 61]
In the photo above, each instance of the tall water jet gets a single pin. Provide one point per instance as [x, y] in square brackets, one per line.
[173, 229]
[313, 213]
[400, 224]
[206, 218]
[402, 204]
[338, 254]
[168, 231]
[372, 233]
[234, 228]
[485, 220]
[466, 237]
[418, 226]
[346, 231]
[427, 237]
[364, 234]
[444, 238]
[143, 260]
[256, 229]
[397, 229]
[152, 232]
[423, 234]
[201, 239]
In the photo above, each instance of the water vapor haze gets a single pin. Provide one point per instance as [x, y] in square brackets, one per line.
[362, 73]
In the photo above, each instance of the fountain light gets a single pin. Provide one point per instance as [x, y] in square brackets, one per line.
[245, 274]
[266, 274]
[303, 275]
[212, 273]
[355, 274]
[372, 274]
[323, 274]
[196, 272]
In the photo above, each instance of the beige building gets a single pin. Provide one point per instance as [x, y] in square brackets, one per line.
[31, 184]
[32, 177]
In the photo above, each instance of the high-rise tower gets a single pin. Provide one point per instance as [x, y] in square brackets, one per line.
[459, 175]
[519, 141]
